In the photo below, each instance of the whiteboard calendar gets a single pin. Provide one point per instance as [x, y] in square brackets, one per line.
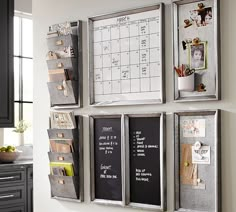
[126, 57]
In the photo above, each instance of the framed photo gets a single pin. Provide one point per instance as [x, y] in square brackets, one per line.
[197, 161]
[197, 56]
[126, 57]
[196, 47]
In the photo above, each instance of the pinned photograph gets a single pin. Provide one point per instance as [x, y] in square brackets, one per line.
[201, 17]
[197, 56]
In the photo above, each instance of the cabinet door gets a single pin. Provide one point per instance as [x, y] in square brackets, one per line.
[19, 208]
[30, 198]
[6, 61]
[30, 189]
[12, 195]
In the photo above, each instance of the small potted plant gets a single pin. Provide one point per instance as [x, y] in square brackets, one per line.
[20, 128]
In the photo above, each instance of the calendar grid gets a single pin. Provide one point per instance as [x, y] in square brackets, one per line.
[127, 58]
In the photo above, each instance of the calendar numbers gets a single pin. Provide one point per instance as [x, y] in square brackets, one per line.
[127, 56]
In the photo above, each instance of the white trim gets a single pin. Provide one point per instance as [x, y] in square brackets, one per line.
[23, 14]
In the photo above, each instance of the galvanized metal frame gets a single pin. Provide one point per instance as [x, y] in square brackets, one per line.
[161, 207]
[80, 71]
[217, 161]
[92, 102]
[175, 54]
[125, 162]
[92, 162]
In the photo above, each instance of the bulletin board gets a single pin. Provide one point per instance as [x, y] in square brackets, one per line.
[126, 57]
[196, 50]
[197, 161]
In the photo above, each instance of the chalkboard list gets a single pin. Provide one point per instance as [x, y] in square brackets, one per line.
[144, 146]
[107, 145]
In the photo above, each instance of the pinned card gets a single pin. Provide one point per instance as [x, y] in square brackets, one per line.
[194, 128]
[202, 155]
[188, 170]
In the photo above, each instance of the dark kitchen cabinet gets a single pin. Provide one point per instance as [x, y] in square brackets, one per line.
[16, 187]
[6, 64]
[30, 189]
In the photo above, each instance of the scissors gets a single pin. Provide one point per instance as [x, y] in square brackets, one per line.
[189, 71]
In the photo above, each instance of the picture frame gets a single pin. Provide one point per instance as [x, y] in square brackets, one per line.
[125, 68]
[196, 24]
[199, 51]
[197, 149]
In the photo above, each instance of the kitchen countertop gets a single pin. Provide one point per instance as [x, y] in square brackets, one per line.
[17, 162]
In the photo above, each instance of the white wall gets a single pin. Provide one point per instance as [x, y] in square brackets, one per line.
[55, 11]
[23, 6]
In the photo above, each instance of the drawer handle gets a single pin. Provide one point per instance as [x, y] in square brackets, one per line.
[60, 87]
[60, 65]
[7, 196]
[7, 178]
[59, 42]
[60, 135]
[62, 182]
[60, 158]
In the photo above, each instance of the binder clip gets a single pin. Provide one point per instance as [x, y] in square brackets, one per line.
[196, 41]
[187, 23]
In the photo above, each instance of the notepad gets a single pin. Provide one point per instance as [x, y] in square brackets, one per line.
[57, 75]
[67, 166]
[62, 146]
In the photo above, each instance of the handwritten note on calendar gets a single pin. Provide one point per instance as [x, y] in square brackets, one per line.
[127, 57]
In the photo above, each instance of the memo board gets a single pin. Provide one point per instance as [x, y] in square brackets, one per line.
[121, 148]
[196, 48]
[197, 161]
[126, 57]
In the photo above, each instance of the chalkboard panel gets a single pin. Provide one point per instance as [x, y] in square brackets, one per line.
[107, 156]
[144, 146]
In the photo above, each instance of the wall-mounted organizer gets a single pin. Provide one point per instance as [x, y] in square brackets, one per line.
[197, 161]
[66, 156]
[122, 147]
[126, 57]
[64, 61]
[196, 51]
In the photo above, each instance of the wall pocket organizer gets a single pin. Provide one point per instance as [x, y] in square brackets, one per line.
[64, 61]
[66, 158]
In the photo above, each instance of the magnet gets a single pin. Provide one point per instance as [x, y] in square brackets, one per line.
[197, 145]
[196, 41]
[184, 45]
[187, 23]
[200, 6]
[201, 87]
[186, 163]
